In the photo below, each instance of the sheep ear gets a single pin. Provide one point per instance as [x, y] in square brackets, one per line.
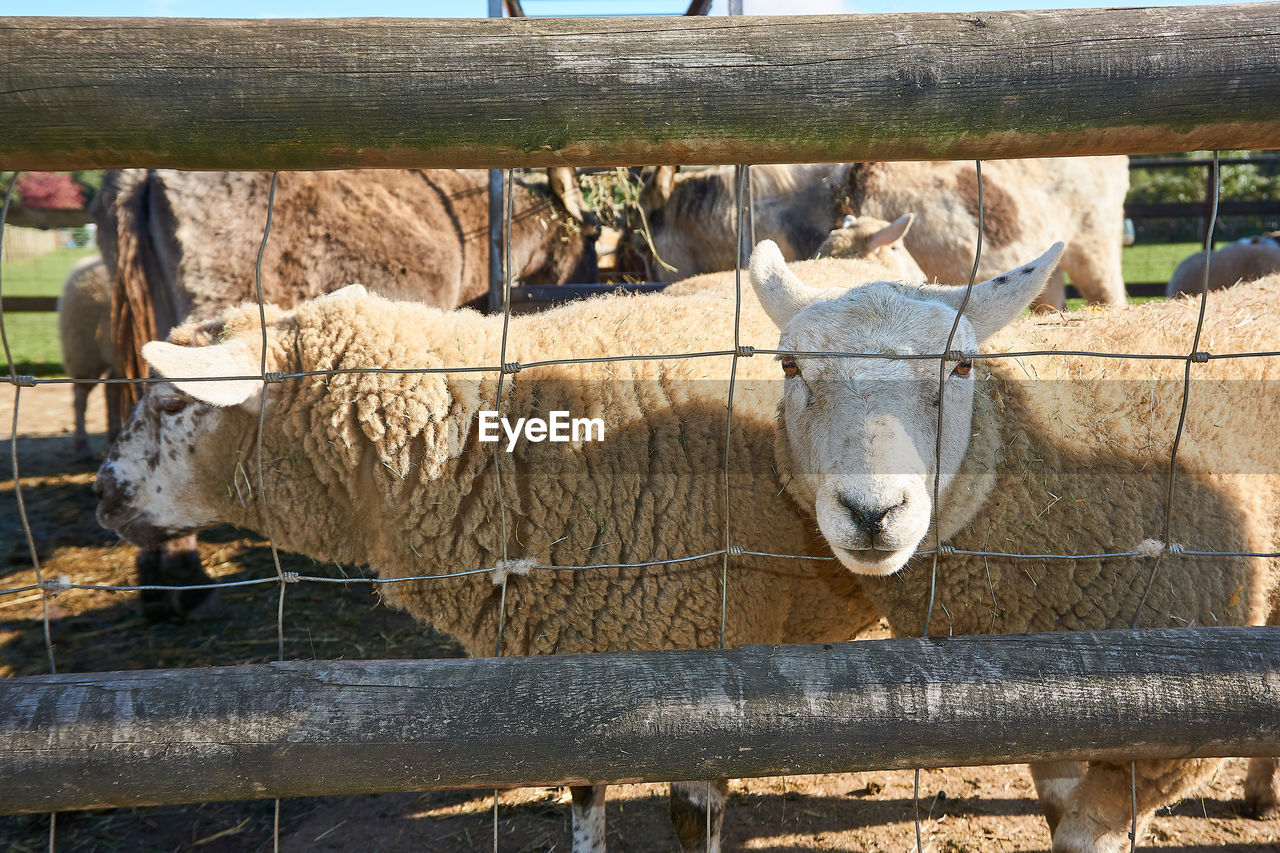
[998, 301]
[891, 233]
[236, 357]
[780, 291]
[657, 190]
[344, 292]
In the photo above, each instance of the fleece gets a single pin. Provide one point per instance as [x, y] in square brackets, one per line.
[1070, 455]
[1231, 264]
[386, 470]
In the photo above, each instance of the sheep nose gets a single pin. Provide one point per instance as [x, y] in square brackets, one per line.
[107, 489]
[870, 520]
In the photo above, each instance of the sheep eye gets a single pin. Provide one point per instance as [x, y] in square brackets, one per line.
[962, 368]
[789, 367]
[173, 405]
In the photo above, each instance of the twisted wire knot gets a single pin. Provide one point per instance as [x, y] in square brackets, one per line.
[946, 549]
[745, 351]
[1199, 358]
[953, 355]
[504, 569]
[273, 377]
[290, 577]
[735, 550]
[23, 381]
[59, 584]
[512, 367]
[1175, 549]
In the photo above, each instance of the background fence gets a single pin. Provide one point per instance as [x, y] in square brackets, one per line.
[461, 94]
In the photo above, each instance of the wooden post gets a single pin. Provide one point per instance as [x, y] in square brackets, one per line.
[344, 727]
[533, 92]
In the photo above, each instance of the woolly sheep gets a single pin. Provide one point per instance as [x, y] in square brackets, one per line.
[864, 249]
[386, 470]
[1043, 455]
[875, 240]
[184, 246]
[1231, 264]
[84, 331]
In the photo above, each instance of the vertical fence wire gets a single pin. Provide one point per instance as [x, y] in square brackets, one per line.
[508, 186]
[262, 492]
[947, 356]
[18, 383]
[1193, 357]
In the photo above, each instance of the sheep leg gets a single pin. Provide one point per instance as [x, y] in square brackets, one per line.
[1095, 271]
[114, 414]
[1262, 789]
[176, 563]
[1055, 780]
[1099, 811]
[80, 403]
[689, 806]
[588, 818]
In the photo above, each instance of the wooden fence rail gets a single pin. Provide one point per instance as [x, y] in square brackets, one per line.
[314, 94]
[344, 727]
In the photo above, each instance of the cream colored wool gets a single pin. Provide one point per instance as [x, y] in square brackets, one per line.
[84, 333]
[84, 321]
[1070, 455]
[385, 470]
[824, 273]
[1081, 447]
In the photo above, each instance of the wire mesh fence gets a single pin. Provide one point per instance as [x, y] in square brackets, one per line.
[730, 551]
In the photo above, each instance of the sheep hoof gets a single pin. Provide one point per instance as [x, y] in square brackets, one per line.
[1262, 808]
[1261, 791]
[157, 567]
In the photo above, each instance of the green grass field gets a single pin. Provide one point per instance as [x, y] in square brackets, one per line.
[1155, 262]
[33, 337]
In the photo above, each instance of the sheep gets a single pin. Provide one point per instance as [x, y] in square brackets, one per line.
[1044, 455]
[84, 332]
[388, 470]
[182, 246]
[876, 240]
[1026, 203]
[1270, 237]
[1231, 264]
[867, 249]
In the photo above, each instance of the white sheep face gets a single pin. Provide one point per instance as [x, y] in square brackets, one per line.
[150, 486]
[872, 476]
[147, 488]
[861, 434]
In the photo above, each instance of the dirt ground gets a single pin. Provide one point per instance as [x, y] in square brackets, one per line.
[964, 809]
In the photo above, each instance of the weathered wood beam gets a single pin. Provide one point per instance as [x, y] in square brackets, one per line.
[345, 727]
[519, 92]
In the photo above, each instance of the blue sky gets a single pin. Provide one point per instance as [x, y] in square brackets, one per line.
[477, 8]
